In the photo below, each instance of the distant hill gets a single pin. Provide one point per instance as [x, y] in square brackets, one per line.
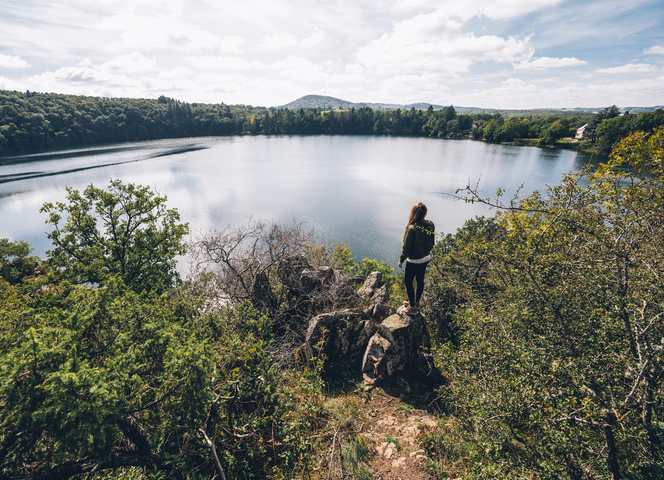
[333, 103]
[321, 101]
[325, 102]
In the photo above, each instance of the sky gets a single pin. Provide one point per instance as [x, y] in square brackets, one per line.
[511, 54]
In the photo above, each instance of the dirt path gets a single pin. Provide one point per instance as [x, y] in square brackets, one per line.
[392, 431]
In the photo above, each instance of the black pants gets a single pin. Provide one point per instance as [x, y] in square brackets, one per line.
[414, 272]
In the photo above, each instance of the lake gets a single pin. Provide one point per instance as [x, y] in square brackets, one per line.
[352, 189]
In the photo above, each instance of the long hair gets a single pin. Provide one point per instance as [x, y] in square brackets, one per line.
[417, 214]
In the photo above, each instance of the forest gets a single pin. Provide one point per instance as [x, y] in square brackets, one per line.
[33, 121]
[546, 320]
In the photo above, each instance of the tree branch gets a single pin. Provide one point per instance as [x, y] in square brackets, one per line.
[214, 454]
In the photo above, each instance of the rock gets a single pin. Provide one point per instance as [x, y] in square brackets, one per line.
[380, 295]
[379, 308]
[399, 462]
[396, 345]
[343, 335]
[318, 288]
[343, 291]
[386, 449]
[313, 279]
[290, 272]
[375, 290]
[373, 282]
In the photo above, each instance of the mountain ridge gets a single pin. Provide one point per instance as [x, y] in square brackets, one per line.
[332, 103]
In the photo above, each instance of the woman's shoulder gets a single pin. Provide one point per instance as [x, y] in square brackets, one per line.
[426, 225]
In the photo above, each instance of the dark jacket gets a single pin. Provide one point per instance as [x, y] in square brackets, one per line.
[419, 240]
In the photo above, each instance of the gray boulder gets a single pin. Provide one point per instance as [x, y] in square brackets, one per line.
[375, 291]
[371, 284]
[342, 335]
[397, 345]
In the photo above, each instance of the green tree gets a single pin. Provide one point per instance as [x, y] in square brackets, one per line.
[125, 230]
[95, 380]
[557, 130]
[590, 133]
[556, 305]
[16, 262]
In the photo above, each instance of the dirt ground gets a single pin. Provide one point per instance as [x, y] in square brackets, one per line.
[392, 430]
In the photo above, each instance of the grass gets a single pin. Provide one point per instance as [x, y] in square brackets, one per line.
[393, 440]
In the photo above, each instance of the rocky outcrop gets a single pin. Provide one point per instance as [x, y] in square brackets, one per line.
[340, 335]
[397, 345]
[375, 291]
[380, 340]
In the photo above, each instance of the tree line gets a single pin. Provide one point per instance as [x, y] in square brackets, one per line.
[31, 121]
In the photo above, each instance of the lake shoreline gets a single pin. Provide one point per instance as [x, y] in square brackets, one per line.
[351, 189]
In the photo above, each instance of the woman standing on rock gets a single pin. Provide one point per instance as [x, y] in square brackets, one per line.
[418, 240]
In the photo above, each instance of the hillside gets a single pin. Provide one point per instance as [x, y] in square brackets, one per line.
[327, 103]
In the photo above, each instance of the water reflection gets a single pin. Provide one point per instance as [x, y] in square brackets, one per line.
[351, 189]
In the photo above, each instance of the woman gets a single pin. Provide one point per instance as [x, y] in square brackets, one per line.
[418, 240]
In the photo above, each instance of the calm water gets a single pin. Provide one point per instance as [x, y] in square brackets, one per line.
[352, 189]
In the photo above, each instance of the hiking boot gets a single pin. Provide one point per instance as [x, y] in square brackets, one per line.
[410, 310]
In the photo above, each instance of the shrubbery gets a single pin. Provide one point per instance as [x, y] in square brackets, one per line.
[110, 361]
[554, 308]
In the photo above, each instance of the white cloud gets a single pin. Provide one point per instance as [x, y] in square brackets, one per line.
[419, 88]
[227, 63]
[544, 63]
[655, 50]
[436, 43]
[158, 33]
[263, 52]
[517, 93]
[278, 41]
[630, 68]
[232, 44]
[83, 76]
[354, 68]
[13, 84]
[298, 69]
[10, 61]
[178, 73]
[133, 62]
[501, 9]
[492, 9]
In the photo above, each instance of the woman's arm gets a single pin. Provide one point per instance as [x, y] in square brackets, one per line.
[407, 245]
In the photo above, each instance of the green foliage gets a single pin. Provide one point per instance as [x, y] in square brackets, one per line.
[608, 127]
[35, 120]
[555, 363]
[125, 231]
[393, 440]
[407, 409]
[108, 378]
[548, 321]
[355, 456]
[16, 262]
[38, 120]
[343, 259]
[108, 364]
